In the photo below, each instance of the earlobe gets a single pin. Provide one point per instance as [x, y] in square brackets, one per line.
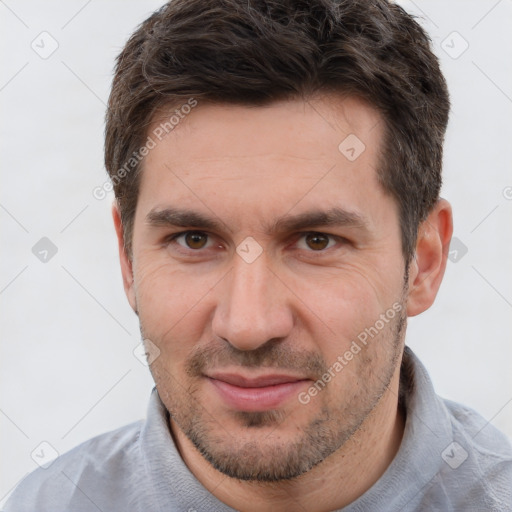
[125, 261]
[427, 267]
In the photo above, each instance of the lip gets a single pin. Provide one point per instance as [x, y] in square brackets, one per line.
[262, 393]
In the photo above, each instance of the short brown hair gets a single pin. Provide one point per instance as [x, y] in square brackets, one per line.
[254, 52]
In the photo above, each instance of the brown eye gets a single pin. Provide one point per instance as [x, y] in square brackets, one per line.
[317, 241]
[196, 240]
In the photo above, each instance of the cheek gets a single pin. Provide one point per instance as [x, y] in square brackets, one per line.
[344, 305]
[345, 300]
[163, 291]
[173, 307]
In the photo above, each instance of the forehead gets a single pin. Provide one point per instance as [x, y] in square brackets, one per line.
[265, 160]
[321, 122]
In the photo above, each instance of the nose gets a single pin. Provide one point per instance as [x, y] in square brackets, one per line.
[253, 306]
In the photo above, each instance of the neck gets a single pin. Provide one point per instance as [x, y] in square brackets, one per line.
[339, 480]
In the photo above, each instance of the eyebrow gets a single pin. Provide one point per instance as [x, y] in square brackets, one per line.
[333, 217]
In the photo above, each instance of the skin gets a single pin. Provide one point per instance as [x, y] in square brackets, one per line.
[295, 309]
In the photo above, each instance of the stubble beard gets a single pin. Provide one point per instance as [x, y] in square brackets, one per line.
[260, 453]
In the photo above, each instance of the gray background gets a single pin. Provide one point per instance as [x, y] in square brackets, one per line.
[68, 370]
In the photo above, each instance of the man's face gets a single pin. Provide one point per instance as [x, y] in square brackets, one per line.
[251, 310]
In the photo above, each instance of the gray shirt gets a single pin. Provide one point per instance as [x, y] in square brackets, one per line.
[450, 459]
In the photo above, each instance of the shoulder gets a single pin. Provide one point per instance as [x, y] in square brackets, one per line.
[80, 476]
[479, 459]
[480, 434]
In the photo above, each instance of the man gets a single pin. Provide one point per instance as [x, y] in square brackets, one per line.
[277, 167]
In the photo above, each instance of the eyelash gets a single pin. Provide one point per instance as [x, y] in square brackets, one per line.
[172, 239]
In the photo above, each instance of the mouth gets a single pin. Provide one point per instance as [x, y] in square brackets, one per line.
[256, 394]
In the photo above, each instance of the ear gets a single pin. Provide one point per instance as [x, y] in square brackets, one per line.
[427, 268]
[126, 263]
